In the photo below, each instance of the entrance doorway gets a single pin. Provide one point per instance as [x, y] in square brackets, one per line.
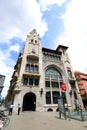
[29, 102]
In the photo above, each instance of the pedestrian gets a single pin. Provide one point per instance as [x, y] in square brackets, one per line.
[19, 108]
[1, 124]
[11, 109]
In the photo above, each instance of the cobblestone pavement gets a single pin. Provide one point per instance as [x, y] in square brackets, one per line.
[43, 121]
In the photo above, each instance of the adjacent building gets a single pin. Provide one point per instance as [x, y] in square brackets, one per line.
[2, 79]
[41, 76]
[82, 85]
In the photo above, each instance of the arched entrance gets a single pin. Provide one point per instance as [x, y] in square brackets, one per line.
[29, 102]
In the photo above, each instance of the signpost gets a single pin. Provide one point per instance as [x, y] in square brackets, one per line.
[61, 102]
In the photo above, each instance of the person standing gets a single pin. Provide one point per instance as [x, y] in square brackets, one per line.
[19, 108]
[11, 109]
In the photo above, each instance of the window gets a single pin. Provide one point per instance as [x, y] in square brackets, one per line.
[52, 77]
[31, 82]
[27, 68]
[72, 85]
[31, 40]
[69, 73]
[48, 98]
[53, 73]
[55, 97]
[47, 83]
[25, 81]
[55, 84]
[36, 68]
[35, 41]
[32, 68]
[52, 57]
[36, 82]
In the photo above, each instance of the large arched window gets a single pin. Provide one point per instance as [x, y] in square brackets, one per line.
[53, 73]
[53, 79]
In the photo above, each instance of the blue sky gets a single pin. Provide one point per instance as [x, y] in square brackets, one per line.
[56, 21]
[54, 24]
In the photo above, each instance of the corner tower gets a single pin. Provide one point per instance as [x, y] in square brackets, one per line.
[26, 80]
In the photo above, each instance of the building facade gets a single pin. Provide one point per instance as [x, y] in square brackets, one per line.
[2, 79]
[81, 79]
[39, 75]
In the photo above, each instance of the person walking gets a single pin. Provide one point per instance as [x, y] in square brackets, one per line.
[19, 108]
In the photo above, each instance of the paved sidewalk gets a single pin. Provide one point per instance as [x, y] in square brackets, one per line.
[43, 121]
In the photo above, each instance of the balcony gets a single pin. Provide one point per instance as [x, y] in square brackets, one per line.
[27, 73]
[31, 74]
[33, 56]
[71, 79]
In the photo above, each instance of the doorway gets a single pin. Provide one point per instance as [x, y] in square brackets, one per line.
[29, 102]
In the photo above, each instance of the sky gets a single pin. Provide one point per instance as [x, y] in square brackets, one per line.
[56, 21]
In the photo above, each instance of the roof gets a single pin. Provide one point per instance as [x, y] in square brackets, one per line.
[61, 46]
[79, 73]
[51, 51]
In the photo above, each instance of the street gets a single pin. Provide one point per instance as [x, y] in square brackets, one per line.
[43, 121]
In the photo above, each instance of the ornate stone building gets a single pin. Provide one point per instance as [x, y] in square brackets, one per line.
[38, 76]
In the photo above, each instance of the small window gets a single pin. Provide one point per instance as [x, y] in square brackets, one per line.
[69, 73]
[48, 98]
[55, 84]
[55, 97]
[47, 83]
[25, 81]
[27, 67]
[36, 68]
[72, 85]
[31, 40]
[30, 81]
[32, 68]
[36, 82]
[35, 41]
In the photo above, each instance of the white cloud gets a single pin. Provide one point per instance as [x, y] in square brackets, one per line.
[14, 48]
[45, 4]
[75, 33]
[6, 70]
[6, 67]
[18, 18]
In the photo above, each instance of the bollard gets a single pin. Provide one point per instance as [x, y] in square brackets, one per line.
[82, 116]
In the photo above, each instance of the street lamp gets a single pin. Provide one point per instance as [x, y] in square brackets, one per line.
[41, 91]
